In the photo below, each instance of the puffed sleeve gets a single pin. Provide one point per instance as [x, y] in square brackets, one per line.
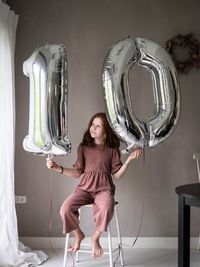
[80, 161]
[116, 161]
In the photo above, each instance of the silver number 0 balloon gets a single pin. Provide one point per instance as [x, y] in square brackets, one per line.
[47, 72]
[120, 58]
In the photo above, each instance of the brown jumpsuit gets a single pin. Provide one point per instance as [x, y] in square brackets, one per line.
[96, 186]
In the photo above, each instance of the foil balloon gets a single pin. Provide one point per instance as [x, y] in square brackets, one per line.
[47, 72]
[120, 58]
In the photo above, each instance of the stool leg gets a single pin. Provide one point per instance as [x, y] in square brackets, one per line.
[119, 237]
[66, 248]
[198, 246]
[77, 256]
[110, 246]
[77, 252]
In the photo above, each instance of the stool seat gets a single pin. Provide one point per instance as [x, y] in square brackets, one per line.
[110, 251]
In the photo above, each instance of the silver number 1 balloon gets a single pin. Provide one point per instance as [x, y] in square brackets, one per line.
[120, 58]
[47, 72]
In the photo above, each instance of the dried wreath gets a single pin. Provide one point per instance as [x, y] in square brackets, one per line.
[185, 41]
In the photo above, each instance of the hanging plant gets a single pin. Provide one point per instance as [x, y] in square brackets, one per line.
[192, 47]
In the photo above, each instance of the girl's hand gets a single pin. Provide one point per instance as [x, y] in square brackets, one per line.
[134, 155]
[51, 164]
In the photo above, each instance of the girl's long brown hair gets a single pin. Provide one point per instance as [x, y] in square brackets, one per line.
[111, 139]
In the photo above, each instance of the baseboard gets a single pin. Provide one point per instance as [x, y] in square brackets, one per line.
[142, 242]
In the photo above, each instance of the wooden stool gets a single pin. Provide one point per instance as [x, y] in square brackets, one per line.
[110, 252]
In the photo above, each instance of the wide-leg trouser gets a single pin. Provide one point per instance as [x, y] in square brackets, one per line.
[103, 209]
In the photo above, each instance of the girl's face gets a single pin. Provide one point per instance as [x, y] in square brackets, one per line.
[97, 130]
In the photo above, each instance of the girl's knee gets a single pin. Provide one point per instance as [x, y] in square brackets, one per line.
[107, 208]
[65, 209]
[108, 205]
[62, 212]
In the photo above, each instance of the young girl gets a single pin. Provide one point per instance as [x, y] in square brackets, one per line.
[98, 159]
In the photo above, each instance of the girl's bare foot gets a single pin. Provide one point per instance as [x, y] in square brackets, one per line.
[79, 236]
[97, 250]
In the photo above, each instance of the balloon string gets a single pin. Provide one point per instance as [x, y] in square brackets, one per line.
[142, 208]
[51, 223]
[141, 218]
[51, 215]
[119, 251]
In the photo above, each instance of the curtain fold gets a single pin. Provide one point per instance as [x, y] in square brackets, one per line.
[12, 252]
